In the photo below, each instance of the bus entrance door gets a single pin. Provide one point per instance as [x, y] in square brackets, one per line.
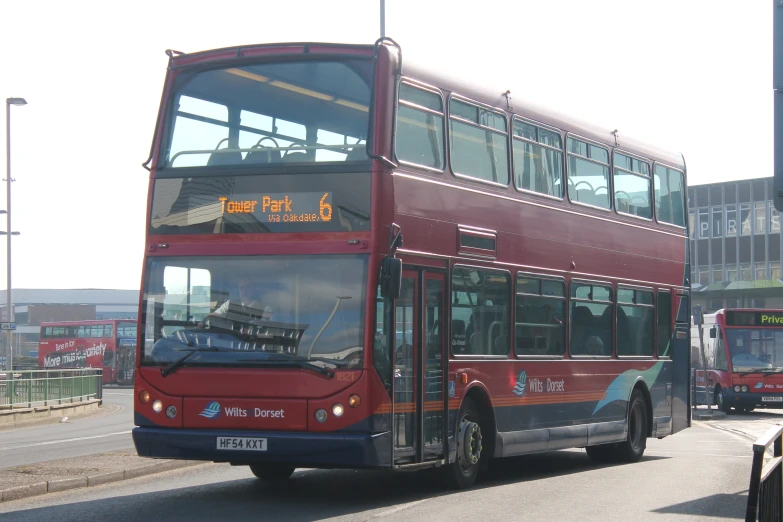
[419, 404]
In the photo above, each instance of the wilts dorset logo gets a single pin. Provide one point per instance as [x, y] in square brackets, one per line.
[521, 385]
[212, 411]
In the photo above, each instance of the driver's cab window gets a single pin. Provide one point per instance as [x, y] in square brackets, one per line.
[188, 296]
[721, 361]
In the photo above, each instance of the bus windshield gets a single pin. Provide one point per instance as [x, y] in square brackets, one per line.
[296, 112]
[755, 348]
[248, 311]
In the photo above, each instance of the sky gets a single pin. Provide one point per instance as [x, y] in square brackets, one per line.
[693, 76]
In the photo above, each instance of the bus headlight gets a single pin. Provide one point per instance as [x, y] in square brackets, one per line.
[354, 401]
[737, 389]
[157, 406]
[171, 412]
[320, 415]
[338, 410]
[744, 389]
[144, 396]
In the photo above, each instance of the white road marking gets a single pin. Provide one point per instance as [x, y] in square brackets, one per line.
[399, 508]
[62, 441]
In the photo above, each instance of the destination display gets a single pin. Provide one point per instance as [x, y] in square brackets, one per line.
[298, 207]
[261, 204]
[737, 318]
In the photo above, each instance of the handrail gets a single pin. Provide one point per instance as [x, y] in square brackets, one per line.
[765, 493]
[348, 147]
[31, 388]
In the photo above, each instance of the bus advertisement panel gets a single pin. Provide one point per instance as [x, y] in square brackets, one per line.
[106, 344]
[327, 284]
[743, 358]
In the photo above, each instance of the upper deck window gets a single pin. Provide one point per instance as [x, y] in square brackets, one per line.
[538, 159]
[479, 143]
[420, 127]
[270, 113]
[632, 186]
[588, 174]
[669, 200]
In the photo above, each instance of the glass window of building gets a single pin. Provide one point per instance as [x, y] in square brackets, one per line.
[717, 273]
[761, 271]
[692, 223]
[731, 273]
[731, 220]
[774, 219]
[704, 275]
[745, 219]
[746, 272]
[774, 269]
[760, 217]
[704, 222]
[717, 221]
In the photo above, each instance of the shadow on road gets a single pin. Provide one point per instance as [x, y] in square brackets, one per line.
[724, 505]
[308, 496]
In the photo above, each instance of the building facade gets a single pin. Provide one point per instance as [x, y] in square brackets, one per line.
[736, 248]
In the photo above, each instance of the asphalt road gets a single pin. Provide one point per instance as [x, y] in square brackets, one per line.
[109, 430]
[699, 474]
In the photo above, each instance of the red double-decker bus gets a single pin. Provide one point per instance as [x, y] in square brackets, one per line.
[354, 262]
[743, 358]
[108, 344]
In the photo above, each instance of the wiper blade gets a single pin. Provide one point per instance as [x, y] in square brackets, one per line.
[748, 371]
[179, 362]
[291, 363]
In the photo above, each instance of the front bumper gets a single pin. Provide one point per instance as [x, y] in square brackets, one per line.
[312, 450]
[753, 399]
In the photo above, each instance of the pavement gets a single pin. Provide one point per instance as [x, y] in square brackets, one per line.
[80, 472]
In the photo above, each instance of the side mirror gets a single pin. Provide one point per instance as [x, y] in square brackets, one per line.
[391, 277]
[713, 333]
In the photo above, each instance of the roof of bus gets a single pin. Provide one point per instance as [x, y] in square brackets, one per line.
[86, 322]
[465, 87]
[525, 108]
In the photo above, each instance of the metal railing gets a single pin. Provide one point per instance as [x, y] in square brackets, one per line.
[32, 388]
[765, 494]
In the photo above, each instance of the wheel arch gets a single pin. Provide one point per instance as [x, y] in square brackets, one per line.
[479, 394]
[641, 386]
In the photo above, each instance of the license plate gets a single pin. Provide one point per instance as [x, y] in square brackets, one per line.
[241, 443]
[772, 399]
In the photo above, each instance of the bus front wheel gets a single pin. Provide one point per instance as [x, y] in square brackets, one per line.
[720, 401]
[272, 473]
[462, 473]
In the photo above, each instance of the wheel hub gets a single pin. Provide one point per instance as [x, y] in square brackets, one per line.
[469, 451]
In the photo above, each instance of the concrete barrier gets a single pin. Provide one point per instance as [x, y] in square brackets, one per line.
[26, 416]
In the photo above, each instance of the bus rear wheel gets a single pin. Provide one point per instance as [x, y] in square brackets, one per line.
[463, 472]
[632, 448]
[272, 473]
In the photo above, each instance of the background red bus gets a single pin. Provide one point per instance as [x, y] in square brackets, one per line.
[743, 356]
[108, 344]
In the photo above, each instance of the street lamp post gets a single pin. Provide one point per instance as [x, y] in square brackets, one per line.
[8, 102]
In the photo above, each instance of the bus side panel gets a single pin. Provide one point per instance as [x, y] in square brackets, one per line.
[681, 397]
